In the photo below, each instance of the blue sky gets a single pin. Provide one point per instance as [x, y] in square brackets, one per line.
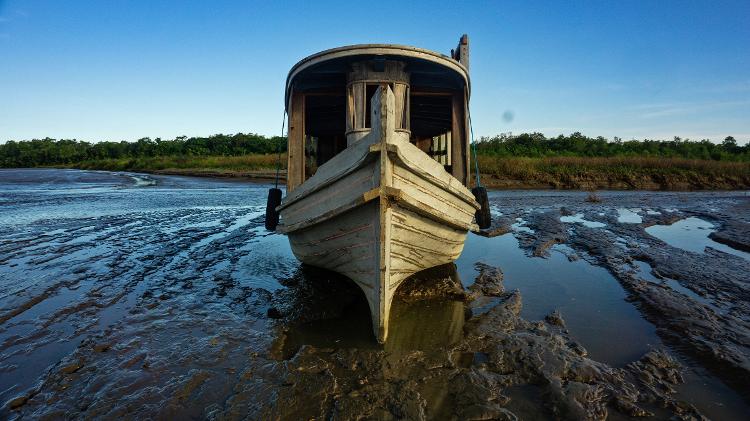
[121, 70]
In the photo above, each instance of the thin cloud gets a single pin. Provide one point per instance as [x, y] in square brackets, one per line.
[669, 109]
[16, 14]
[742, 86]
[615, 87]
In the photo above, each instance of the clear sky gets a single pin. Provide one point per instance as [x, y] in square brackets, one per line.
[121, 70]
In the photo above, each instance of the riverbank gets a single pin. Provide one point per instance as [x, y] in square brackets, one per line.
[569, 173]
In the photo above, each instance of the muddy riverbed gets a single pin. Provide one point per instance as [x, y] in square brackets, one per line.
[125, 295]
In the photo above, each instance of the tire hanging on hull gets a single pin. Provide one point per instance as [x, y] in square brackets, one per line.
[483, 215]
[274, 194]
[272, 215]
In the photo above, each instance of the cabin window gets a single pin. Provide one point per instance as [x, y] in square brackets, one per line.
[431, 122]
[440, 148]
[325, 129]
[371, 88]
[360, 95]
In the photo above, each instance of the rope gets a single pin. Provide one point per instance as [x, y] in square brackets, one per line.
[278, 150]
[474, 146]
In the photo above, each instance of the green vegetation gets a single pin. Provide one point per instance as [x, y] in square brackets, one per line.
[253, 162]
[526, 160]
[66, 152]
[536, 145]
[637, 172]
[580, 162]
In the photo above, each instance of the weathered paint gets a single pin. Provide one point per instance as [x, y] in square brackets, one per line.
[378, 212]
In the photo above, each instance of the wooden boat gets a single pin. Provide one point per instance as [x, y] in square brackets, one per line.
[378, 165]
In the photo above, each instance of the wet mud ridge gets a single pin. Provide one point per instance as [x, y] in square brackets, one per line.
[167, 299]
[694, 290]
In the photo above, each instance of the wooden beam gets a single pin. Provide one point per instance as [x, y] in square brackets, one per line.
[467, 138]
[459, 149]
[296, 143]
[463, 51]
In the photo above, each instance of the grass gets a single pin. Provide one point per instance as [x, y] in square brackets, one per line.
[618, 172]
[244, 163]
[500, 172]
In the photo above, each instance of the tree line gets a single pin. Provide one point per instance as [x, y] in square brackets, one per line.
[50, 152]
[576, 144]
[47, 151]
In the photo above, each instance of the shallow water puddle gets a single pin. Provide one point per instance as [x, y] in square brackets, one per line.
[425, 325]
[578, 219]
[646, 273]
[591, 301]
[691, 234]
[593, 305]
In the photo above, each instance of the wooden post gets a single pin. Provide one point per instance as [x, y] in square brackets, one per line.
[463, 51]
[296, 143]
[459, 144]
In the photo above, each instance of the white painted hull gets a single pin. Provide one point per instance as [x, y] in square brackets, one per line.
[378, 212]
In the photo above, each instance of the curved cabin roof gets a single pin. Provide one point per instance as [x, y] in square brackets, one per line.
[329, 68]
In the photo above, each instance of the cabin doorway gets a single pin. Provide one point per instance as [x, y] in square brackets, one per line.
[431, 125]
[325, 129]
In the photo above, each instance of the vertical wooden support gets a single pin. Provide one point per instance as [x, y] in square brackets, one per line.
[402, 112]
[358, 90]
[463, 51]
[467, 139]
[296, 143]
[459, 144]
[383, 118]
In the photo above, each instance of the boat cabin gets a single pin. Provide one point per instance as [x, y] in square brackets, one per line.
[328, 103]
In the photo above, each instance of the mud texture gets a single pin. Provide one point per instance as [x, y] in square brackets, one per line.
[497, 359]
[734, 234]
[164, 298]
[706, 317]
[548, 232]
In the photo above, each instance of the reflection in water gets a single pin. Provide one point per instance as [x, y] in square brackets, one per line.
[590, 299]
[426, 323]
[691, 234]
[647, 274]
[331, 327]
[329, 311]
[325, 310]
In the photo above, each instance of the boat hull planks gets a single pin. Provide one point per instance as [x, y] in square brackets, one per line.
[378, 212]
